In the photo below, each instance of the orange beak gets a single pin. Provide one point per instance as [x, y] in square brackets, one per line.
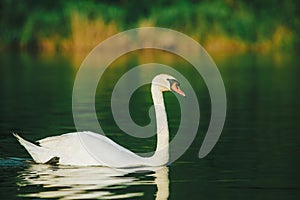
[177, 89]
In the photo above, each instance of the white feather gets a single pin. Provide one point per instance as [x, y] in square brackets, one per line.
[88, 148]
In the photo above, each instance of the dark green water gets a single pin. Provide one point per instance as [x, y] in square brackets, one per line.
[257, 156]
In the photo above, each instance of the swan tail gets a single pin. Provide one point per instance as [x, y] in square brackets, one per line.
[39, 154]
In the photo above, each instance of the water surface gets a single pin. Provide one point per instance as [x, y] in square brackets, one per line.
[257, 156]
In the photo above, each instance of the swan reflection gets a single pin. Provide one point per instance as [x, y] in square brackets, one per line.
[66, 182]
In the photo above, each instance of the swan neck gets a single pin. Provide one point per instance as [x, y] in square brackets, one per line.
[161, 154]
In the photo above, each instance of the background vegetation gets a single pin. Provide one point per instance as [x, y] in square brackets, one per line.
[220, 25]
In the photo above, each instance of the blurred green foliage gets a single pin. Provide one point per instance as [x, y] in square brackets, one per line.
[24, 23]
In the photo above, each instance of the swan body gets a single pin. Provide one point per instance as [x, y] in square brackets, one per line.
[92, 149]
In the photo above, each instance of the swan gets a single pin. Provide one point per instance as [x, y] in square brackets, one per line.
[91, 149]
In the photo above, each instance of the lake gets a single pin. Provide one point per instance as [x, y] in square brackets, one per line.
[256, 157]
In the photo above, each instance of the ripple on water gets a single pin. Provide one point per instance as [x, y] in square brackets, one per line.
[13, 162]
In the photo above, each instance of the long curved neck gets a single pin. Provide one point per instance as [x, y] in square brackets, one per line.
[161, 155]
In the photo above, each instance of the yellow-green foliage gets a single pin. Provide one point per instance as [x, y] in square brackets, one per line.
[221, 26]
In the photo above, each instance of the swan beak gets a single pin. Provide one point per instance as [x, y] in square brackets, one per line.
[177, 89]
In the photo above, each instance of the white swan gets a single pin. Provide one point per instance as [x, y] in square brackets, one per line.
[88, 148]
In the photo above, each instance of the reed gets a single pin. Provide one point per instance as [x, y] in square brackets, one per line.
[86, 34]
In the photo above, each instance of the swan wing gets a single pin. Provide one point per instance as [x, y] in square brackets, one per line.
[69, 149]
[89, 148]
[106, 151]
[82, 149]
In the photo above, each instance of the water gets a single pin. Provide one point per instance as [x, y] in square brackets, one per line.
[257, 156]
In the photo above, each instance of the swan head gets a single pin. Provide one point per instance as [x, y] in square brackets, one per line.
[167, 82]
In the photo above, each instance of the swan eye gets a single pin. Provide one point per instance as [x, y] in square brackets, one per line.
[173, 83]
